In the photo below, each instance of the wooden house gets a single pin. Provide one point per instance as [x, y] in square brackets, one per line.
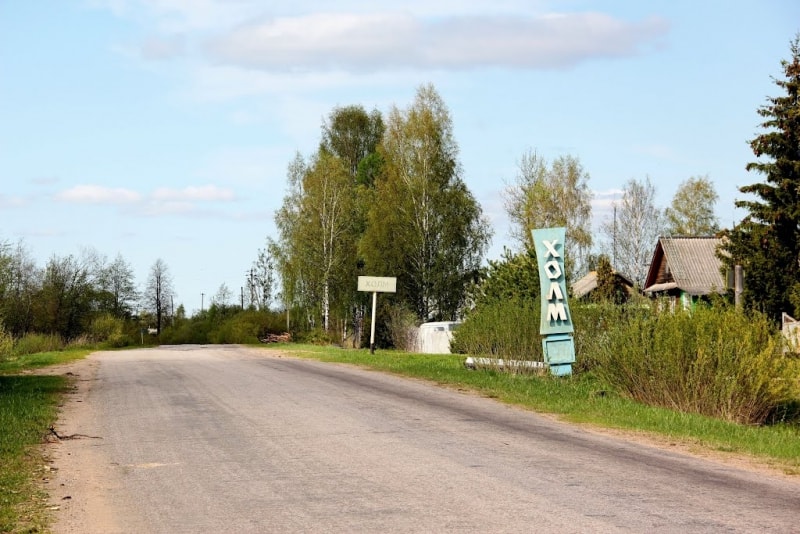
[685, 269]
[583, 287]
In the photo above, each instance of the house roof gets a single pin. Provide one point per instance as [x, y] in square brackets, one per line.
[689, 264]
[588, 283]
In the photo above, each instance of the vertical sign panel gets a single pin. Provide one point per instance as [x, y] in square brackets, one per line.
[556, 323]
[556, 318]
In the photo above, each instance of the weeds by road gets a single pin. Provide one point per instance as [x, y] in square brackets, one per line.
[28, 407]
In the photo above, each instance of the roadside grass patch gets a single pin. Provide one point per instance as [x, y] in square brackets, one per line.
[583, 398]
[18, 364]
[28, 406]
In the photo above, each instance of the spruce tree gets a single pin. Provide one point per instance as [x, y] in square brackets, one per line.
[767, 241]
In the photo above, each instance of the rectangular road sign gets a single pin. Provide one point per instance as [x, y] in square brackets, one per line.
[377, 284]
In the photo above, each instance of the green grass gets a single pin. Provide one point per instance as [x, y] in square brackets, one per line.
[18, 364]
[28, 406]
[582, 399]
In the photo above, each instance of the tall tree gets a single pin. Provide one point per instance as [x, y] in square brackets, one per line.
[117, 288]
[635, 229]
[317, 241]
[159, 292]
[261, 280]
[555, 196]
[64, 302]
[692, 210]
[285, 249]
[423, 225]
[352, 134]
[767, 241]
[21, 281]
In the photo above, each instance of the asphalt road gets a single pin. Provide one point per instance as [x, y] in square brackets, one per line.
[226, 439]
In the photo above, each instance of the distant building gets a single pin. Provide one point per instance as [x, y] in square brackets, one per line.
[583, 287]
[685, 269]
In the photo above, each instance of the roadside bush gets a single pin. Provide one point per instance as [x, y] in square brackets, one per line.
[36, 343]
[6, 344]
[109, 330]
[715, 361]
[501, 329]
[403, 328]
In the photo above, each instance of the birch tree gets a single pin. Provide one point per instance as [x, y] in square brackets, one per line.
[635, 229]
[317, 241]
[545, 196]
[692, 210]
[424, 226]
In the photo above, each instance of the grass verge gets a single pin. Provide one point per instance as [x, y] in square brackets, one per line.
[28, 406]
[582, 399]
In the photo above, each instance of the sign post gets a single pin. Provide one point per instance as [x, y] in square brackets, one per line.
[376, 284]
[556, 322]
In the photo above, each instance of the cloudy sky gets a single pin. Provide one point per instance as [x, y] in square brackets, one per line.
[163, 128]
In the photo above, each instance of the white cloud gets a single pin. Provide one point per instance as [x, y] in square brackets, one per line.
[384, 41]
[97, 194]
[192, 193]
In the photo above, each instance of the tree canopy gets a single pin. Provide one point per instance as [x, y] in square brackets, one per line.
[552, 196]
[692, 210]
[423, 224]
[767, 241]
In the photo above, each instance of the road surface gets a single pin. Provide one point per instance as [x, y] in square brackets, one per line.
[227, 439]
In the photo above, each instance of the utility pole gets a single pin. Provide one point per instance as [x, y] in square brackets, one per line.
[202, 295]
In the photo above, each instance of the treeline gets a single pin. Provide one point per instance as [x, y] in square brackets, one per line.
[86, 300]
[380, 197]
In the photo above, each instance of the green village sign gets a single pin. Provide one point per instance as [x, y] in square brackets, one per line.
[556, 322]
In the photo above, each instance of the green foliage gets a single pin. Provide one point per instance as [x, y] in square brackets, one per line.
[352, 135]
[28, 406]
[507, 329]
[514, 276]
[403, 327]
[692, 210]
[767, 241]
[713, 361]
[225, 324]
[35, 343]
[109, 330]
[552, 196]
[6, 344]
[424, 226]
[610, 288]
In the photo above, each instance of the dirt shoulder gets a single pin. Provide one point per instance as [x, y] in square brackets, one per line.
[76, 476]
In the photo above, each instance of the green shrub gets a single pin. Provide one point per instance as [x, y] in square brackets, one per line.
[35, 343]
[6, 344]
[501, 329]
[403, 328]
[109, 330]
[713, 361]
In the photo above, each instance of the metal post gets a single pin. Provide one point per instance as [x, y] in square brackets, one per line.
[372, 325]
[738, 285]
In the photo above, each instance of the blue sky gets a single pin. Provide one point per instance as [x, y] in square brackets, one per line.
[163, 128]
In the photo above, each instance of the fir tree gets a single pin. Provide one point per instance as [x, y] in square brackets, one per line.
[767, 241]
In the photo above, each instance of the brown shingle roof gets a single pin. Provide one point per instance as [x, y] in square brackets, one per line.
[690, 262]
